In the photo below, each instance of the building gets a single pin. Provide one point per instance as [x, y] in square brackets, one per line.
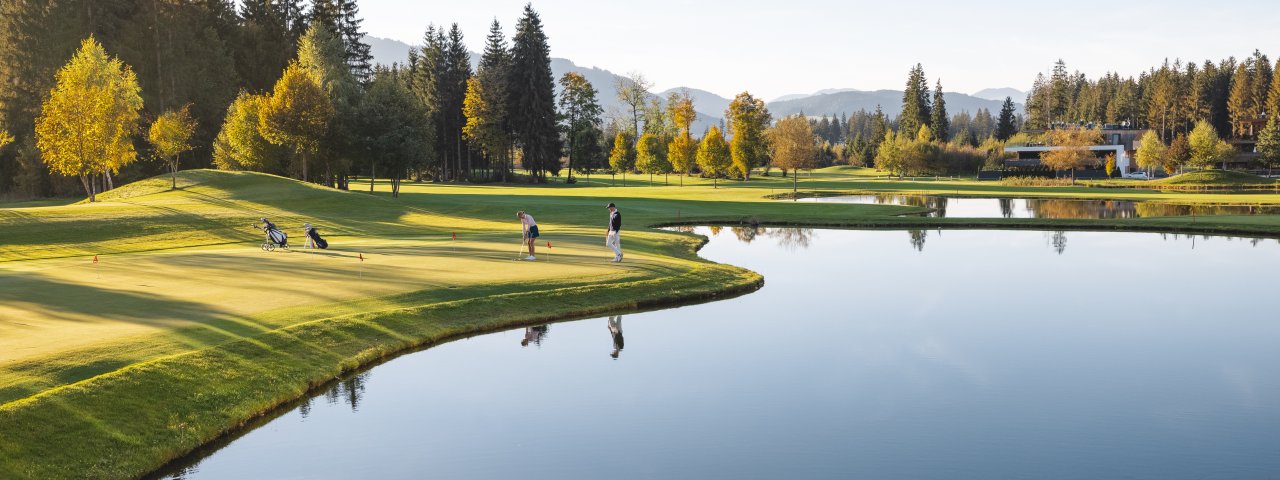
[1117, 140]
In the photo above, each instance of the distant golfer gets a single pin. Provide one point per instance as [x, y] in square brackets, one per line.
[530, 231]
[611, 239]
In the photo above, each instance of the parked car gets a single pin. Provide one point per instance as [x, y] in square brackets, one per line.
[1139, 175]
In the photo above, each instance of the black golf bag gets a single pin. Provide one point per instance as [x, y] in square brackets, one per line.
[315, 237]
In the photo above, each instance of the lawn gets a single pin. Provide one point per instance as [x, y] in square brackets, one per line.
[184, 329]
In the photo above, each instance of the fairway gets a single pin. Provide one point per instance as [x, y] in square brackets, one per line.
[183, 312]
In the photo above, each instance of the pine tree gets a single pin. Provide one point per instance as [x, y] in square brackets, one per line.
[534, 92]
[492, 73]
[1240, 101]
[915, 101]
[1260, 84]
[940, 123]
[1005, 126]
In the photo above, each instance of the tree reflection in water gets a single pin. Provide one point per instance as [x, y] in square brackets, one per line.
[917, 239]
[350, 391]
[792, 239]
[1057, 240]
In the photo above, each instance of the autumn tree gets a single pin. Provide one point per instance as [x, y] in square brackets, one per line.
[580, 121]
[889, 155]
[1206, 147]
[1177, 155]
[748, 118]
[240, 144]
[683, 150]
[651, 155]
[170, 136]
[297, 114]
[623, 156]
[1151, 151]
[322, 54]
[86, 126]
[1073, 148]
[714, 157]
[484, 126]
[793, 146]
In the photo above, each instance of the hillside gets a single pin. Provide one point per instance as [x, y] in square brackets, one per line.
[999, 94]
[889, 100]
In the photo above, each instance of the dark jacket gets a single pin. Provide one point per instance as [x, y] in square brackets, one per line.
[615, 221]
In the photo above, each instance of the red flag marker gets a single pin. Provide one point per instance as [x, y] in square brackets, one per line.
[548, 244]
[361, 256]
[455, 235]
[95, 259]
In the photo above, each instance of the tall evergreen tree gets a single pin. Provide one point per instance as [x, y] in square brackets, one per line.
[1006, 126]
[915, 101]
[493, 73]
[940, 123]
[533, 88]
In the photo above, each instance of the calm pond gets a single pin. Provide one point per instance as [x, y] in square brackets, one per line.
[966, 207]
[868, 354]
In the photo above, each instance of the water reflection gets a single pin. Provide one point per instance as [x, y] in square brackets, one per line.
[942, 206]
[917, 239]
[615, 331]
[1057, 240]
[534, 335]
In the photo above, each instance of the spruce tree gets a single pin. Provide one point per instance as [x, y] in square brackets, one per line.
[1006, 126]
[533, 88]
[915, 101]
[493, 72]
[940, 123]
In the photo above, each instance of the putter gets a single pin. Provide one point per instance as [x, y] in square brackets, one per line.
[520, 253]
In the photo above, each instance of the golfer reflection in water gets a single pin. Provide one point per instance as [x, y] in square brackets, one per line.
[533, 335]
[615, 328]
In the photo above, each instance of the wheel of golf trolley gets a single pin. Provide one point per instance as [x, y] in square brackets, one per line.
[267, 247]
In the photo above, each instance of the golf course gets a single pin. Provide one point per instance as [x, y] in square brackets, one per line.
[139, 327]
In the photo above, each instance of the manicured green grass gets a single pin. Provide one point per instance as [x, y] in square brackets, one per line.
[185, 329]
[1215, 178]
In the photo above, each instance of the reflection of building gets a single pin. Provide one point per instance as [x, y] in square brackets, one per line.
[1119, 141]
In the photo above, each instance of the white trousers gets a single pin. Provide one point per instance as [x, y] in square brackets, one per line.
[613, 241]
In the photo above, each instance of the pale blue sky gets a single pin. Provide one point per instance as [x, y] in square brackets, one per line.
[780, 47]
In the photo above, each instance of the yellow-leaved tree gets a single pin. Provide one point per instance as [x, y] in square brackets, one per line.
[86, 126]
[170, 136]
[1073, 151]
[714, 157]
[297, 114]
[793, 146]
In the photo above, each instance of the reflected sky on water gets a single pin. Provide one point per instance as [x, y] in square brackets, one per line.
[978, 355]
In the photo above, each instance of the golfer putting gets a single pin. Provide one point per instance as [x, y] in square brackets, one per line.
[611, 237]
[530, 228]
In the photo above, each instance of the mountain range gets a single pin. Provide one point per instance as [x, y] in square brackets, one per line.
[711, 107]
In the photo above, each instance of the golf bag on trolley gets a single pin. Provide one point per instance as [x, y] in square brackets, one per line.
[274, 237]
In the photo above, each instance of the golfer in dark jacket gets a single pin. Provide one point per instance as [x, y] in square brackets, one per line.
[611, 239]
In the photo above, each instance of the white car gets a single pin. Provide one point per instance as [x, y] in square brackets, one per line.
[1137, 175]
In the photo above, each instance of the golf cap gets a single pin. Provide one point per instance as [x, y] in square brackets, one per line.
[610, 205]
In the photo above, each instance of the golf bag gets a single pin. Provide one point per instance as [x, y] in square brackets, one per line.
[315, 237]
[275, 238]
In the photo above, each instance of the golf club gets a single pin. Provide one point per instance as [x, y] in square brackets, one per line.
[520, 253]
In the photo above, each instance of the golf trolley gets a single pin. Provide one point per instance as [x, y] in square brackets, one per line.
[274, 238]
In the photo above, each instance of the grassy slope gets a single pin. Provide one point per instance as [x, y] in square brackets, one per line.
[185, 330]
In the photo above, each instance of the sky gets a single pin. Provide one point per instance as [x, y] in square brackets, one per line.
[777, 47]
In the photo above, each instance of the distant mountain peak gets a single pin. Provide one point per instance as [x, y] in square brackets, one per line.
[1000, 94]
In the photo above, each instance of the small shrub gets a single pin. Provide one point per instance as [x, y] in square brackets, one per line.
[1035, 182]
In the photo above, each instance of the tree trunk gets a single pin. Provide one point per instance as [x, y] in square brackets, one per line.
[173, 168]
[106, 175]
[88, 190]
[373, 170]
[304, 168]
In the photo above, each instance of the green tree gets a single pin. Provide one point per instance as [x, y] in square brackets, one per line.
[1240, 101]
[1273, 93]
[1206, 148]
[1006, 126]
[1151, 151]
[580, 119]
[651, 155]
[793, 146]
[86, 126]
[170, 136]
[939, 122]
[623, 156]
[240, 144]
[323, 56]
[1268, 143]
[297, 115]
[633, 92]
[494, 72]
[916, 110]
[533, 91]
[397, 127]
[748, 118]
[714, 157]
